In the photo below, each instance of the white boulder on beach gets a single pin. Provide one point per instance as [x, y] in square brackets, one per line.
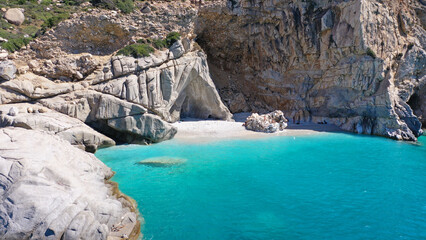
[269, 123]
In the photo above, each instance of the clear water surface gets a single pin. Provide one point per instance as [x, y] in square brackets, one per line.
[328, 186]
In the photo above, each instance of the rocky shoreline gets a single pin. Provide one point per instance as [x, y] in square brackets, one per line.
[52, 190]
[68, 92]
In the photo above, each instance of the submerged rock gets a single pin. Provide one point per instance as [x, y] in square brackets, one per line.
[162, 161]
[269, 123]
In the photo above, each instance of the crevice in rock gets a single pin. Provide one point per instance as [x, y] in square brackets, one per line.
[119, 136]
[417, 102]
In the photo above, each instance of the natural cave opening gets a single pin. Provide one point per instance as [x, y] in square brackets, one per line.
[417, 102]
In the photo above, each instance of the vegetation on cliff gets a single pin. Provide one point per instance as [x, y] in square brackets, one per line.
[42, 15]
[39, 17]
[144, 47]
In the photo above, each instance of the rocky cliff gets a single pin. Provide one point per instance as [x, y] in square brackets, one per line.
[128, 99]
[359, 64]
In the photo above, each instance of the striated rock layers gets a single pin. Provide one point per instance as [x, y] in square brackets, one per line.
[359, 64]
[128, 99]
[52, 190]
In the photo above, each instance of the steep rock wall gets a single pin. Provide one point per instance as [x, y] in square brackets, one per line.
[354, 63]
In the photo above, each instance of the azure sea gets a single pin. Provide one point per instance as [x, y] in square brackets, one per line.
[325, 186]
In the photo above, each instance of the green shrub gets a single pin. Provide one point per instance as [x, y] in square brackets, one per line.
[53, 21]
[136, 50]
[167, 42]
[15, 44]
[125, 6]
[371, 53]
[172, 38]
[159, 44]
[46, 2]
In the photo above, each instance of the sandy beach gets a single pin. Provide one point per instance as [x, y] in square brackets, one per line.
[211, 130]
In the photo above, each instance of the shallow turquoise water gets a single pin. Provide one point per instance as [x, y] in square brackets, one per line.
[329, 186]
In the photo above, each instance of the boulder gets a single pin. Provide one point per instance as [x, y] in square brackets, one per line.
[14, 16]
[13, 111]
[52, 190]
[70, 129]
[146, 9]
[176, 50]
[124, 121]
[7, 70]
[269, 123]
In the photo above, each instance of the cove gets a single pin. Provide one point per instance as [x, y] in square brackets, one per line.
[325, 186]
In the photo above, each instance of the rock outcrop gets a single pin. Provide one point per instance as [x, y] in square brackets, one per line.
[268, 123]
[170, 84]
[36, 117]
[52, 190]
[7, 70]
[355, 63]
[130, 100]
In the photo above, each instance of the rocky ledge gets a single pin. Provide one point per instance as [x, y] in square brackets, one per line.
[52, 190]
[130, 100]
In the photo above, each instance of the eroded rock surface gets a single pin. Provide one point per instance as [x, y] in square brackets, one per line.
[354, 63]
[36, 117]
[269, 123]
[52, 190]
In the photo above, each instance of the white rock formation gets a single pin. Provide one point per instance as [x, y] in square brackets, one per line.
[67, 128]
[7, 70]
[269, 123]
[52, 190]
[168, 83]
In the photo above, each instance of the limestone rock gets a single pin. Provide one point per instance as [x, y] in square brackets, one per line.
[125, 121]
[269, 123]
[69, 129]
[7, 70]
[176, 50]
[10, 96]
[315, 57]
[15, 16]
[36, 87]
[174, 89]
[52, 190]
[66, 68]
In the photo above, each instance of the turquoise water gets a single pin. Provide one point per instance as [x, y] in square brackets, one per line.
[329, 186]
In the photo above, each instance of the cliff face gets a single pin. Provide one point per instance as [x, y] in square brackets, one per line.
[353, 63]
[70, 70]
